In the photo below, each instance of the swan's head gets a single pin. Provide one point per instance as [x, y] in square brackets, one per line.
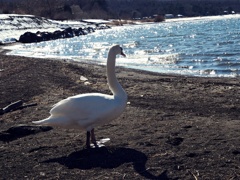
[118, 50]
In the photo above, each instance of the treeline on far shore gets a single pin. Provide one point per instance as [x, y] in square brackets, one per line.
[118, 9]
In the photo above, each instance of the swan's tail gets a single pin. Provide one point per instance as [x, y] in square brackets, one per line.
[52, 121]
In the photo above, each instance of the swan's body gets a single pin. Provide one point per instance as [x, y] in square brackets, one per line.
[86, 111]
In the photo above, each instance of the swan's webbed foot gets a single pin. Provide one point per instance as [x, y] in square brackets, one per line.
[91, 140]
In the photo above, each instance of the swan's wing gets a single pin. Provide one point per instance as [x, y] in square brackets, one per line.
[84, 111]
[83, 106]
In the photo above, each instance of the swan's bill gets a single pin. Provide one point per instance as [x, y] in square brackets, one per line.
[124, 55]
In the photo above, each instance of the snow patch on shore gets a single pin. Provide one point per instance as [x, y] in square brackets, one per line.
[14, 25]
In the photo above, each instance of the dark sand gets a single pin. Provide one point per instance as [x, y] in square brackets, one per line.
[174, 127]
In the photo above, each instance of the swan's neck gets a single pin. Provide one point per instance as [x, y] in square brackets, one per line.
[113, 83]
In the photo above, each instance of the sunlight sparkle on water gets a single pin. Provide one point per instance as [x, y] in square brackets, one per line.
[204, 47]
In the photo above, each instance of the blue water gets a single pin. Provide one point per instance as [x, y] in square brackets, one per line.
[206, 47]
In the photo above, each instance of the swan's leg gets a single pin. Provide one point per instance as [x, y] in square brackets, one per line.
[93, 138]
[88, 139]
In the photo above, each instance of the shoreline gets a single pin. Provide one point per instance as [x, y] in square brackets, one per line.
[113, 23]
[4, 52]
[174, 127]
[92, 62]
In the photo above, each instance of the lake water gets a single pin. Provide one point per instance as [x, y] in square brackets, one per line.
[204, 47]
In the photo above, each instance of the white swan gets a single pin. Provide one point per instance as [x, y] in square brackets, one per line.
[86, 111]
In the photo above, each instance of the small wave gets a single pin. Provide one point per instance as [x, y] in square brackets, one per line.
[163, 59]
[133, 44]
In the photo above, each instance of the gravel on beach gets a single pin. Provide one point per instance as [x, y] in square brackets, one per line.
[174, 127]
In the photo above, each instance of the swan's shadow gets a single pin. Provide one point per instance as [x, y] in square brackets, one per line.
[107, 158]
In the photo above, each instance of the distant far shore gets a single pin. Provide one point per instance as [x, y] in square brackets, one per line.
[175, 19]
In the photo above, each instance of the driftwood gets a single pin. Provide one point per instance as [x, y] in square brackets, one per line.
[15, 106]
[12, 106]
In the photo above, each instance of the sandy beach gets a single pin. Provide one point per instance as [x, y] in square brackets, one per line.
[174, 127]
